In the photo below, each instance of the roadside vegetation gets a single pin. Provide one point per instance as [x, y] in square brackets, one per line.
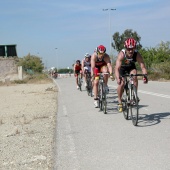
[33, 69]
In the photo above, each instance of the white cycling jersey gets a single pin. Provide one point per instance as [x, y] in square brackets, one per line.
[87, 65]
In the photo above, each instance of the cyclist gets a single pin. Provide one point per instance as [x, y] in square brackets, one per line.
[125, 63]
[77, 70]
[100, 63]
[86, 67]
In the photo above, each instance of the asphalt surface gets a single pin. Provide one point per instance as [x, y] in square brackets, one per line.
[88, 139]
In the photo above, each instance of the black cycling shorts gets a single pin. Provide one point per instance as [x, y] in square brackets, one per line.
[126, 69]
[77, 71]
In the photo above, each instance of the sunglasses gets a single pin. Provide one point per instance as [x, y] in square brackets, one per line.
[130, 49]
[101, 53]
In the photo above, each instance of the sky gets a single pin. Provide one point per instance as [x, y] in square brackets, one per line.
[63, 31]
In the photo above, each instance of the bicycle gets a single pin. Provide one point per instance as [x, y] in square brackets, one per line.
[89, 84]
[102, 99]
[130, 98]
[79, 81]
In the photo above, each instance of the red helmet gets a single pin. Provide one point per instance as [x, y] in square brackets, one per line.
[101, 49]
[130, 43]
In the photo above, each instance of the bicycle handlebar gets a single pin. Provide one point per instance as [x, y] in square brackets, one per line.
[131, 75]
[101, 74]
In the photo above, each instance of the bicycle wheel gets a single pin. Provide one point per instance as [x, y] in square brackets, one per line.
[104, 102]
[125, 103]
[87, 87]
[90, 88]
[79, 83]
[134, 108]
[100, 93]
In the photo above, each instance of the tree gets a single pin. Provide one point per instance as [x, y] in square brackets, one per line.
[120, 39]
[163, 52]
[65, 70]
[31, 62]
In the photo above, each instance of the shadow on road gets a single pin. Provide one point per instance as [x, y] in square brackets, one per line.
[152, 119]
[112, 102]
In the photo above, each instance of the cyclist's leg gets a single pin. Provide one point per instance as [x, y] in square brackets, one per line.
[95, 82]
[135, 80]
[134, 71]
[76, 76]
[85, 76]
[88, 71]
[95, 91]
[95, 86]
[120, 90]
[81, 73]
[104, 69]
[120, 93]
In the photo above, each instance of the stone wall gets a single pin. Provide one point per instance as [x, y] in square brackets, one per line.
[7, 66]
[8, 70]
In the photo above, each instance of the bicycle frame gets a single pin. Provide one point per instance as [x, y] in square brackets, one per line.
[102, 94]
[79, 81]
[89, 85]
[130, 98]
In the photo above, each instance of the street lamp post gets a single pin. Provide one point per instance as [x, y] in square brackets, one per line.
[109, 9]
[57, 58]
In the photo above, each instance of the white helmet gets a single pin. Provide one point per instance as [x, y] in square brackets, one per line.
[87, 55]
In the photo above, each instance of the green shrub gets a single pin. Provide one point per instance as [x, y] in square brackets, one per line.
[163, 67]
[31, 64]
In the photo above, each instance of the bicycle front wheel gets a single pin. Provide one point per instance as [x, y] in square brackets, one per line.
[79, 83]
[104, 100]
[90, 88]
[100, 93]
[125, 104]
[134, 108]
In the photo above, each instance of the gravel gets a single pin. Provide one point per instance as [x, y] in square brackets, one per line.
[27, 126]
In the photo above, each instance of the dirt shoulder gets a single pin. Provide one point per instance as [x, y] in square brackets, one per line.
[27, 126]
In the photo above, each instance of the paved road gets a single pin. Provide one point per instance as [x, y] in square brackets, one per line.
[90, 140]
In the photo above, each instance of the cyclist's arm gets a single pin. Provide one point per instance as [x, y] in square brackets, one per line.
[118, 65]
[108, 62]
[93, 59]
[74, 68]
[139, 59]
[82, 66]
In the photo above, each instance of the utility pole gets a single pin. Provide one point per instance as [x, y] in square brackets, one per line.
[56, 58]
[110, 37]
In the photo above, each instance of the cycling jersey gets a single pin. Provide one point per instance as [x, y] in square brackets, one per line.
[128, 61]
[77, 67]
[128, 64]
[100, 62]
[87, 65]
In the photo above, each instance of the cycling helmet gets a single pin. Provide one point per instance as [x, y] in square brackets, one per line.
[87, 55]
[101, 49]
[130, 43]
[77, 61]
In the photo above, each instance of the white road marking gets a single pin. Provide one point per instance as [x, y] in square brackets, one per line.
[154, 94]
[151, 93]
[65, 138]
[70, 140]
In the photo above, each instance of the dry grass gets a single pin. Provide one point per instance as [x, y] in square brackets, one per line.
[30, 79]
